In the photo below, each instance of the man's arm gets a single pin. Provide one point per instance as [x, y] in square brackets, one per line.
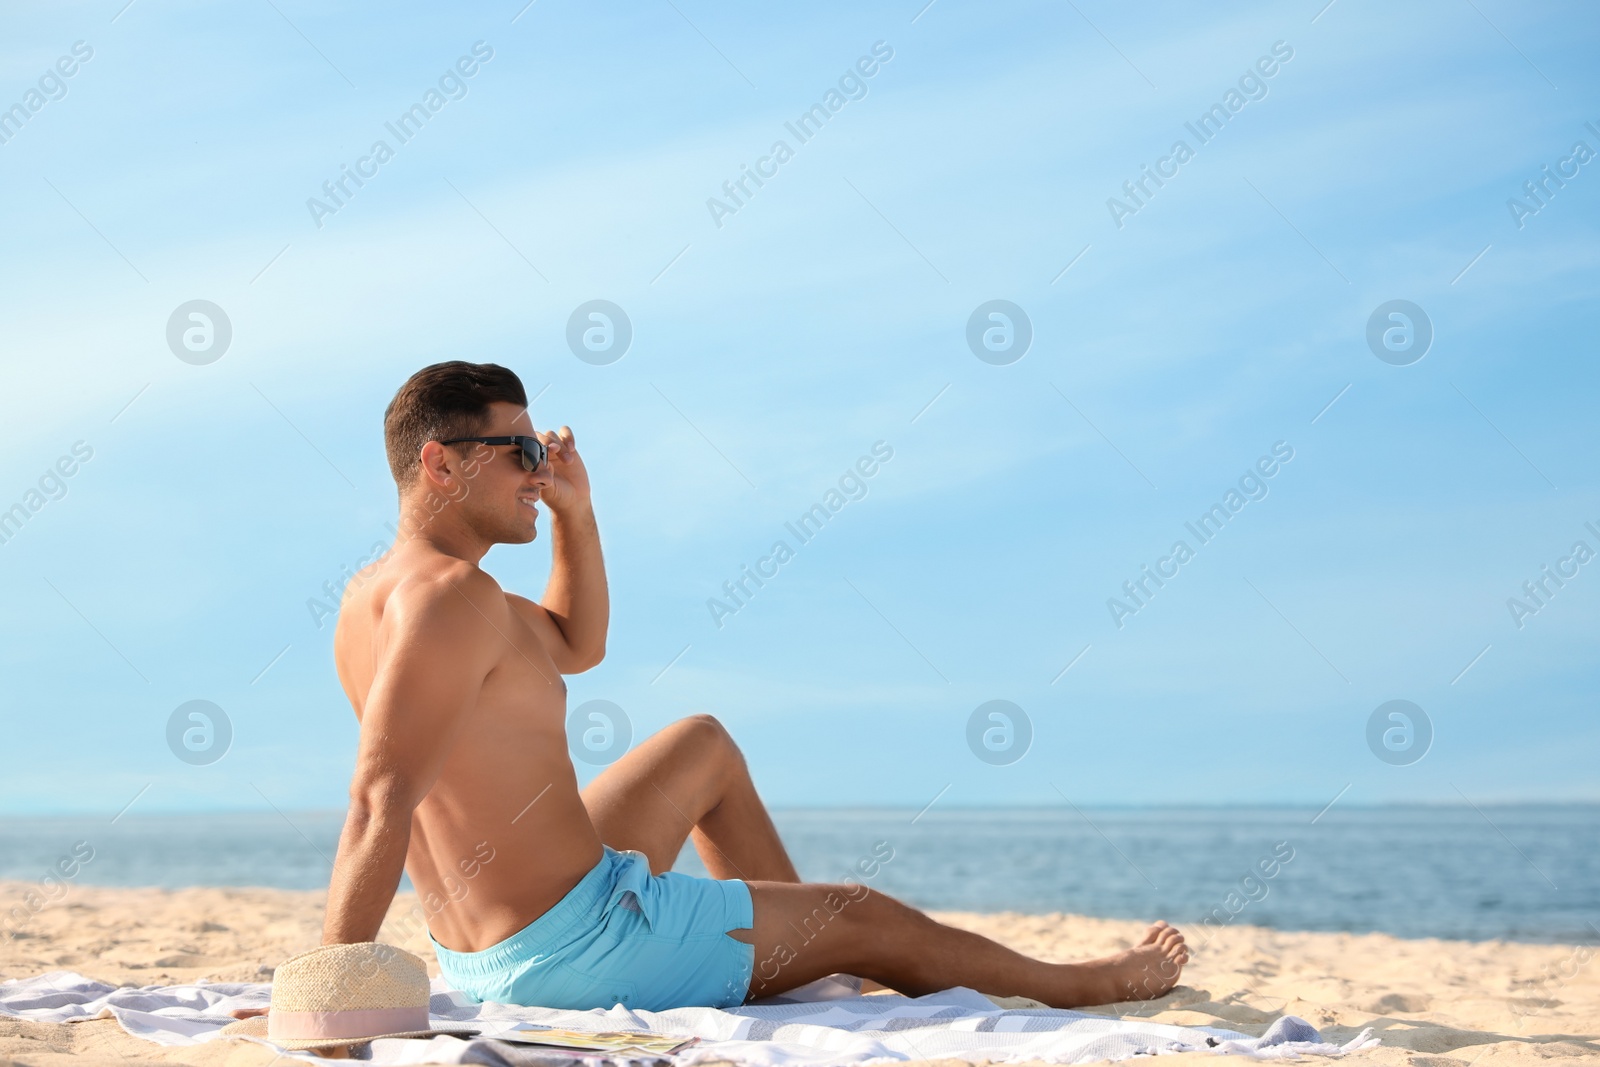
[437, 648]
[576, 602]
[576, 597]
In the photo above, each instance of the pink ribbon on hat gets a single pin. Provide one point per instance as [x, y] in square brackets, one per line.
[345, 1025]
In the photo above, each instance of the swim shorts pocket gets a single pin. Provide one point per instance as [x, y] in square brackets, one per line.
[591, 991]
[599, 973]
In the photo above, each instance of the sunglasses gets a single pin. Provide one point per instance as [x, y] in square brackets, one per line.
[534, 454]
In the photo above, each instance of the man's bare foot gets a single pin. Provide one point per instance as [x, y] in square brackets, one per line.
[1143, 972]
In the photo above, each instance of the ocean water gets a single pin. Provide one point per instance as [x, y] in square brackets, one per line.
[1522, 873]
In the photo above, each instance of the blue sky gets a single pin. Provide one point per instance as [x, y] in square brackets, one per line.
[770, 352]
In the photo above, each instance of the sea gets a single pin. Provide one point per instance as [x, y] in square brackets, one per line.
[1517, 873]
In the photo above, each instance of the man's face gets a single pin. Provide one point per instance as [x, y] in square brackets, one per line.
[501, 497]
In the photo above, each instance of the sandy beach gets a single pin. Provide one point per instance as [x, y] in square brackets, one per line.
[1434, 1003]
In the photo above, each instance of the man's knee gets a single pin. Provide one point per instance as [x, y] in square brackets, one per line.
[707, 732]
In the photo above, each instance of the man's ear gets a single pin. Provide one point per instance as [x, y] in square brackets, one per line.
[436, 466]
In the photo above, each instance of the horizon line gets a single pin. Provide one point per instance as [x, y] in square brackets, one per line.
[894, 807]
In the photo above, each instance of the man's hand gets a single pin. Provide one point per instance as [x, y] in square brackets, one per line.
[570, 478]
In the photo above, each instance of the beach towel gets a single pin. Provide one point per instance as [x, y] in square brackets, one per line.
[793, 1031]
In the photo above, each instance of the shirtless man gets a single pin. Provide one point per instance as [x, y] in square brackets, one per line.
[553, 897]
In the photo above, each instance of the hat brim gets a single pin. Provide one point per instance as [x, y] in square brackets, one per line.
[256, 1027]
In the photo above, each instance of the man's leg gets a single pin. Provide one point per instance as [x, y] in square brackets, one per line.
[803, 932]
[689, 780]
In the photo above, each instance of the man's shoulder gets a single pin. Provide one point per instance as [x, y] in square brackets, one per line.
[442, 592]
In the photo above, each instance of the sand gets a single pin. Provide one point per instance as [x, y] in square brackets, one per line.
[1434, 1003]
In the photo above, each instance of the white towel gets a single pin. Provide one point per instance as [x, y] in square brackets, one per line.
[956, 1023]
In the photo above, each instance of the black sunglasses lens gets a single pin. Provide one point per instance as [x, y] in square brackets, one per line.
[532, 455]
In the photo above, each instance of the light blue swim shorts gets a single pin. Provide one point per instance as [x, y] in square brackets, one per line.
[621, 936]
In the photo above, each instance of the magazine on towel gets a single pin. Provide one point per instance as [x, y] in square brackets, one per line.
[591, 1041]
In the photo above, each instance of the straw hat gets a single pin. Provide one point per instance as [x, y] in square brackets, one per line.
[345, 995]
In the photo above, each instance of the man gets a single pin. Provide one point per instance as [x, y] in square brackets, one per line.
[538, 894]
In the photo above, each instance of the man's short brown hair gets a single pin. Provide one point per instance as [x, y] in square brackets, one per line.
[440, 402]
